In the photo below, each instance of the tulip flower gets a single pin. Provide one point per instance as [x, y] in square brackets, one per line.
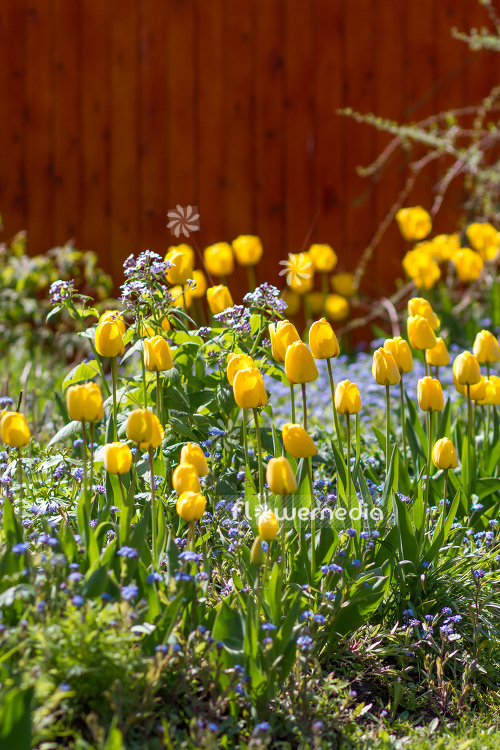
[157, 354]
[109, 343]
[219, 299]
[292, 300]
[219, 260]
[248, 251]
[420, 333]
[117, 458]
[444, 456]
[438, 356]
[324, 345]
[15, 433]
[183, 248]
[386, 372]
[297, 441]
[430, 394]
[400, 350]
[337, 307]
[466, 372]
[282, 335]
[193, 454]
[323, 257]
[300, 367]
[486, 349]
[250, 393]
[236, 362]
[414, 223]
[491, 393]
[190, 507]
[343, 284]
[181, 296]
[347, 398]
[185, 479]
[280, 477]
[181, 268]
[484, 238]
[257, 554]
[421, 306]
[84, 402]
[468, 264]
[423, 271]
[117, 317]
[268, 526]
[201, 284]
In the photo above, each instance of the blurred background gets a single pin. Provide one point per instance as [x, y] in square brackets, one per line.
[112, 113]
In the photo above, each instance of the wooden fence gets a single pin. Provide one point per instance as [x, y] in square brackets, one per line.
[112, 112]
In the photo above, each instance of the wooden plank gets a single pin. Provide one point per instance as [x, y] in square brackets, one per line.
[359, 143]
[124, 166]
[67, 147]
[95, 230]
[12, 126]
[270, 163]
[300, 211]
[39, 121]
[211, 136]
[153, 124]
[329, 162]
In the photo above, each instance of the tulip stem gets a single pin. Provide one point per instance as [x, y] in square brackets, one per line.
[403, 421]
[469, 444]
[426, 366]
[304, 406]
[252, 281]
[335, 415]
[445, 490]
[91, 458]
[84, 435]
[429, 457]
[348, 431]
[313, 520]
[122, 489]
[144, 386]
[190, 543]
[20, 483]
[292, 399]
[245, 438]
[114, 368]
[159, 397]
[153, 503]
[387, 430]
[259, 446]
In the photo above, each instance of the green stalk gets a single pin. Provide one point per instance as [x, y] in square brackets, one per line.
[304, 406]
[252, 281]
[245, 438]
[190, 544]
[313, 520]
[114, 369]
[469, 444]
[259, 446]
[426, 365]
[153, 504]
[348, 430]
[387, 430]
[403, 420]
[84, 435]
[144, 386]
[292, 399]
[21, 490]
[91, 458]
[429, 458]
[158, 396]
[335, 415]
[445, 490]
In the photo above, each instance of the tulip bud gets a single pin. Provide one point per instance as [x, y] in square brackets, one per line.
[116, 316]
[466, 369]
[468, 264]
[324, 257]
[337, 307]
[193, 454]
[183, 248]
[437, 356]
[343, 284]
[421, 269]
[219, 299]
[430, 394]
[84, 402]
[157, 354]
[414, 223]
[108, 338]
[144, 428]
[257, 554]
[421, 306]
[280, 477]
[248, 389]
[219, 260]
[181, 267]
[322, 340]
[492, 392]
[282, 336]
[268, 526]
[117, 458]
[201, 284]
[297, 441]
[484, 238]
[486, 348]
[384, 368]
[444, 455]
[400, 350]
[248, 249]
[157, 434]
[347, 398]
[191, 506]
[14, 429]
[420, 333]
[300, 366]
[185, 479]
[237, 362]
[146, 329]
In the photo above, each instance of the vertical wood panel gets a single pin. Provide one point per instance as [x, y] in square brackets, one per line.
[39, 155]
[12, 129]
[124, 130]
[67, 92]
[95, 211]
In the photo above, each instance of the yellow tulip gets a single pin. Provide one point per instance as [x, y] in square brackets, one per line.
[315, 301]
[117, 458]
[492, 392]
[343, 284]
[400, 350]
[193, 454]
[237, 362]
[421, 306]
[219, 259]
[301, 284]
[444, 455]
[201, 284]
[191, 506]
[438, 356]
[117, 317]
[484, 238]
[347, 398]
[248, 389]
[468, 264]
[84, 402]
[183, 248]
[292, 300]
[181, 269]
[268, 526]
[248, 249]
[280, 477]
[300, 366]
[14, 429]
[144, 428]
[146, 329]
[384, 368]
[421, 269]
[486, 348]
[466, 369]
[322, 340]
[414, 223]
[297, 441]
[157, 434]
[430, 394]
[300, 272]
[282, 335]
[108, 338]
[420, 333]
[219, 299]
[257, 554]
[157, 354]
[444, 245]
[337, 307]
[478, 391]
[185, 479]
[324, 257]
[181, 297]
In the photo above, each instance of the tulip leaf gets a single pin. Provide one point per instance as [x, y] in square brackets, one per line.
[73, 428]
[407, 542]
[83, 371]
[15, 719]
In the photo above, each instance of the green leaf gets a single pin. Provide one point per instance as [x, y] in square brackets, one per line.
[73, 428]
[83, 371]
[407, 542]
[225, 399]
[15, 719]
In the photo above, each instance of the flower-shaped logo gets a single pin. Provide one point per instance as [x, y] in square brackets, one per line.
[297, 268]
[184, 220]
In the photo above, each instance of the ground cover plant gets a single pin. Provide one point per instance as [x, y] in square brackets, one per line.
[216, 533]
